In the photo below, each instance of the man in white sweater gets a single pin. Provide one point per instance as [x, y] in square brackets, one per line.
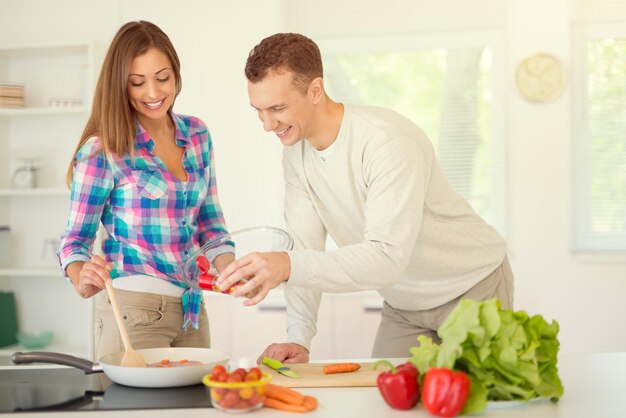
[369, 178]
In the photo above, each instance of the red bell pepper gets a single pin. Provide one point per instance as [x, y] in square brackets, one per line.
[203, 263]
[399, 386]
[206, 280]
[444, 392]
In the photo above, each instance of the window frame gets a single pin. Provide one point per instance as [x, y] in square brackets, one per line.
[581, 232]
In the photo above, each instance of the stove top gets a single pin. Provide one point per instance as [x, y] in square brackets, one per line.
[67, 389]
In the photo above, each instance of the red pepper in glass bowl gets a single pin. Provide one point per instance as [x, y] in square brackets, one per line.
[444, 391]
[399, 386]
[206, 279]
[198, 272]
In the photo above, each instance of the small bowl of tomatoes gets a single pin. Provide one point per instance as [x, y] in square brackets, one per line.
[239, 391]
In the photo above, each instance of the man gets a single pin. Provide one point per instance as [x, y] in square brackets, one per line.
[369, 178]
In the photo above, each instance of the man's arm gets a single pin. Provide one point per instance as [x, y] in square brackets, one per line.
[268, 270]
[397, 173]
[302, 308]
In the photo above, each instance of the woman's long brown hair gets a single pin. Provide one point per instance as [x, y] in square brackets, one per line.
[112, 117]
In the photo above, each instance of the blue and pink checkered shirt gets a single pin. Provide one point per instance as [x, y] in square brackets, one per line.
[154, 221]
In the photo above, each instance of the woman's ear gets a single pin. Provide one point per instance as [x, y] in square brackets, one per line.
[316, 89]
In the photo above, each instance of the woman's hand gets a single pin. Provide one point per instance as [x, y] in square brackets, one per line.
[89, 278]
[257, 272]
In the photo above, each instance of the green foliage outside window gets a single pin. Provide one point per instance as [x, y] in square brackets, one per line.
[605, 139]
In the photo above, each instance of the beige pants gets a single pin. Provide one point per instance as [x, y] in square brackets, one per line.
[152, 321]
[399, 329]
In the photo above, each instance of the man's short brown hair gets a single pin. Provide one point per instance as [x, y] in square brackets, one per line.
[286, 52]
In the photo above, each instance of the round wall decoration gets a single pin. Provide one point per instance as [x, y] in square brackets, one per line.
[540, 78]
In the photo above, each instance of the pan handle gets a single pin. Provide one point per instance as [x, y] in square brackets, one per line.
[56, 358]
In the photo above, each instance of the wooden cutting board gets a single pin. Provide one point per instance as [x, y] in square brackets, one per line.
[312, 375]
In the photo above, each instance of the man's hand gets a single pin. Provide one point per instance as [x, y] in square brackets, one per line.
[259, 272]
[89, 278]
[285, 352]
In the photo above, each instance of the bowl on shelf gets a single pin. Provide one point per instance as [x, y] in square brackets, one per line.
[237, 397]
[35, 340]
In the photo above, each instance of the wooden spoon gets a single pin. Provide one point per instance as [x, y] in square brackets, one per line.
[131, 358]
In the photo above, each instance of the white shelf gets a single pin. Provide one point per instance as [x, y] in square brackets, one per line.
[47, 191]
[43, 48]
[52, 272]
[54, 347]
[43, 110]
[53, 75]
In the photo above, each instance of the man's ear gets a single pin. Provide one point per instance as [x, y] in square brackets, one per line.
[316, 89]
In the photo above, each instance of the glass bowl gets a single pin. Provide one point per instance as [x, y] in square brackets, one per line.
[236, 397]
[240, 243]
[35, 340]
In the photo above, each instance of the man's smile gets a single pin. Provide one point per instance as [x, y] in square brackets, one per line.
[283, 133]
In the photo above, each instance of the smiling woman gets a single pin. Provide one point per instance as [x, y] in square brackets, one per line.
[145, 173]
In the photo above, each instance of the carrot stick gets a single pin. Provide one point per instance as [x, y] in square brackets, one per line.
[341, 368]
[283, 406]
[310, 403]
[284, 394]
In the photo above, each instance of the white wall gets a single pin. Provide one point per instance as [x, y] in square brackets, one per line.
[213, 38]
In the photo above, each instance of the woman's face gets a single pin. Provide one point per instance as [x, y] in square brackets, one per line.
[151, 85]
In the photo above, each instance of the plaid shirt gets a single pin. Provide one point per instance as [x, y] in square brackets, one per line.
[154, 221]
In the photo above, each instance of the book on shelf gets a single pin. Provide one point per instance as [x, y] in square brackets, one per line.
[11, 90]
[11, 101]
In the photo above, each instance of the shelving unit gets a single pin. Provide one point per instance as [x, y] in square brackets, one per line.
[35, 111]
[23, 272]
[48, 191]
[52, 74]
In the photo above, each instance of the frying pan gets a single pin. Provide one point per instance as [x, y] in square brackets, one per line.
[143, 377]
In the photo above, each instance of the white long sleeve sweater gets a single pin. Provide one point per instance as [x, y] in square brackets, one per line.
[400, 228]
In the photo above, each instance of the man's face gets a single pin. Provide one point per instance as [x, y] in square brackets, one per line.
[282, 107]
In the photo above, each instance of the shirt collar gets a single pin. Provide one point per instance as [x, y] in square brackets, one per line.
[142, 137]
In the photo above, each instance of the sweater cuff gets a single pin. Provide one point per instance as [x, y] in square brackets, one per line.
[301, 271]
[300, 335]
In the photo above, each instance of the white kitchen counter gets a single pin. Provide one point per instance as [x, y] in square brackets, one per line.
[595, 386]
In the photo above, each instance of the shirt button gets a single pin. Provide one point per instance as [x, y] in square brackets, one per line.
[184, 223]
[186, 252]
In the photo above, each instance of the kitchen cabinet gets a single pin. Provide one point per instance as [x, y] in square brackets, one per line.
[58, 81]
[346, 325]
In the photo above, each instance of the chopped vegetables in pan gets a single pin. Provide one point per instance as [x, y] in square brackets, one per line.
[179, 363]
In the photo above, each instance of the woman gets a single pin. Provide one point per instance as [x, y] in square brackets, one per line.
[145, 173]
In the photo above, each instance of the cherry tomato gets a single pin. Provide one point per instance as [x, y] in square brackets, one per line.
[218, 369]
[240, 372]
[254, 399]
[255, 371]
[215, 394]
[242, 404]
[229, 400]
[234, 378]
[246, 393]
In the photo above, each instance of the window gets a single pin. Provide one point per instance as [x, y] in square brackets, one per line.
[600, 139]
[451, 85]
